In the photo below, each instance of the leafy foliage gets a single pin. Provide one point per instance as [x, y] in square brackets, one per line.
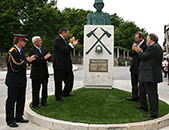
[43, 18]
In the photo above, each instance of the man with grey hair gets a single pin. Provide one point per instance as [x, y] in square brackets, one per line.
[150, 73]
[39, 72]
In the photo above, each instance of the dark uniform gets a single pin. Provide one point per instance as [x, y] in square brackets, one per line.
[16, 82]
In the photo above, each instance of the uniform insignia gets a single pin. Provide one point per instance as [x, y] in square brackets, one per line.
[11, 49]
[16, 50]
[11, 59]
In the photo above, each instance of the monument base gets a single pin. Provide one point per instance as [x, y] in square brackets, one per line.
[99, 87]
[98, 56]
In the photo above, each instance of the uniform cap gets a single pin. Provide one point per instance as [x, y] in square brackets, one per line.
[98, 1]
[21, 36]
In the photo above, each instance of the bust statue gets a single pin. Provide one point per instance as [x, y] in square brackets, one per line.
[98, 17]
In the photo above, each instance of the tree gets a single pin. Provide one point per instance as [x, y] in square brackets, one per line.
[9, 24]
[124, 31]
[29, 17]
[76, 19]
[40, 17]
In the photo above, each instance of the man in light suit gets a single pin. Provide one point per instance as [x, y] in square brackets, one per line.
[62, 64]
[39, 72]
[139, 38]
[150, 73]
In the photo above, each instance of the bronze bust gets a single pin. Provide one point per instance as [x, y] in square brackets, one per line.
[98, 17]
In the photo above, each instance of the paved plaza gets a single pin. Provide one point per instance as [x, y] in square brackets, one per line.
[121, 81]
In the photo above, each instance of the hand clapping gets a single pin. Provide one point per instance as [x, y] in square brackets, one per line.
[47, 55]
[31, 58]
[137, 48]
[73, 41]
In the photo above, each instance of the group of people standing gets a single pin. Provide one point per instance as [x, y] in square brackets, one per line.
[38, 57]
[146, 72]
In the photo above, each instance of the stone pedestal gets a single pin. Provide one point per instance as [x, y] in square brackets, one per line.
[98, 56]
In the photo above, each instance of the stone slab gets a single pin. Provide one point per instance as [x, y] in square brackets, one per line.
[98, 66]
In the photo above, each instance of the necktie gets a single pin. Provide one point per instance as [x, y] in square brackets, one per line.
[21, 52]
[40, 50]
[65, 41]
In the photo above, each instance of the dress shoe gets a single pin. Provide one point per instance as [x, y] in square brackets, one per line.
[131, 99]
[12, 124]
[60, 99]
[22, 121]
[140, 107]
[70, 94]
[35, 107]
[45, 104]
[149, 116]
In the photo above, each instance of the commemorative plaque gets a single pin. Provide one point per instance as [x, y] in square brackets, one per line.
[98, 65]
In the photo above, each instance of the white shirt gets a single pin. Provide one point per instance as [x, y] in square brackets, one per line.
[141, 42]
[69, 43]
[152, 43]
[39, 48]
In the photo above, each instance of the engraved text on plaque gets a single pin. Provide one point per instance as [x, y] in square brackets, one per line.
[98, 65]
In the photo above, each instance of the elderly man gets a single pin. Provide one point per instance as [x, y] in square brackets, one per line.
[150, 74]
[16, 80]
[39, 72]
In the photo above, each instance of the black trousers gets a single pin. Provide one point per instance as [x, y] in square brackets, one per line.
[15, 96]
[142, 95]
[36, 85]
[67, 77]
[151, 90]
[134, 83]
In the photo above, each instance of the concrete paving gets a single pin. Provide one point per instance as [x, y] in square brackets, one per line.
[120, 84]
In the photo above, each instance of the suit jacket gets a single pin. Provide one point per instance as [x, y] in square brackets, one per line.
[39, 69]
[150, 65]
[136, 61]
[62, 60]
[16, 65]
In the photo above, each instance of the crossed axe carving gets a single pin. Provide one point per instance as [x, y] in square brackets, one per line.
[98, 39]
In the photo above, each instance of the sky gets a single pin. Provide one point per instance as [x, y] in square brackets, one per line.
[149, 14]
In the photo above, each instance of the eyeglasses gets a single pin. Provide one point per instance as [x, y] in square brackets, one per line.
[39, 41]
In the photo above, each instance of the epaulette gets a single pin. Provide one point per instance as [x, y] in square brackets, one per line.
[11, 49]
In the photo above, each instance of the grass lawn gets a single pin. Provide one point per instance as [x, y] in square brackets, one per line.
[97, 106]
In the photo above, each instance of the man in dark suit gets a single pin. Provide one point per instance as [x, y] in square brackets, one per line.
[139, 38]
[16, 80]
[150, 73]
[39, 72]
[62, 64]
